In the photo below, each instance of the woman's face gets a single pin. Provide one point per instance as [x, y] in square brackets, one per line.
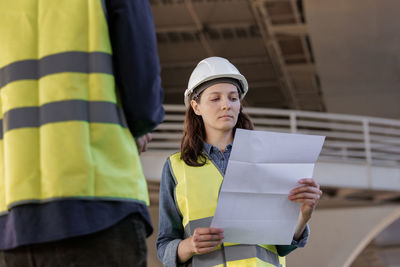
[219, 106]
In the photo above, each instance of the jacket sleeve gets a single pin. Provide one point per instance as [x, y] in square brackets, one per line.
[136, 63]
[284, 250]
[171, 230]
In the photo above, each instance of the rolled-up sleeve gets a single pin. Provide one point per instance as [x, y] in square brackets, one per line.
[284, 250]
[171, 230]
[136, 63]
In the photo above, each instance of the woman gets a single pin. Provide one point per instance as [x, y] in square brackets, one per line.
[192, 178]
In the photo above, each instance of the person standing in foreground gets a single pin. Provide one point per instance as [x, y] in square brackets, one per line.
[72, 189]
[191, 179]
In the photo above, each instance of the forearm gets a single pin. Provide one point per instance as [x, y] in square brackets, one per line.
[185, 252]
[301, 226]
[308, 194]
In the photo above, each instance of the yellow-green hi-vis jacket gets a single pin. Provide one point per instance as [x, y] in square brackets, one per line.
[62, 133]
[196, 195]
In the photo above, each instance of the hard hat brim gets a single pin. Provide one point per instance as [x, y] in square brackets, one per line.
[240, 78]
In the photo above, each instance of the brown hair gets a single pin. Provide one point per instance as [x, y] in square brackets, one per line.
[194, 135]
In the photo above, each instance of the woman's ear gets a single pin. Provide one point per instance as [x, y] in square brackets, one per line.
[195, 107]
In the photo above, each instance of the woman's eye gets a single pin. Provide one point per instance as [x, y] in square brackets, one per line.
[215, 99]
[234, 99]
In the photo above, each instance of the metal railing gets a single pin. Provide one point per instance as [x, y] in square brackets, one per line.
[374, 141]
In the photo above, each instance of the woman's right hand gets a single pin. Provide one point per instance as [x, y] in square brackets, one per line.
[203, 240]
[206, 239]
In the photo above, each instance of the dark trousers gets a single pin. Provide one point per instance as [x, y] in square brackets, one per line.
[124, 244]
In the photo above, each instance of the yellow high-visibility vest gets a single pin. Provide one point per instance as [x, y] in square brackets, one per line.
[196, 195]
[62, 132]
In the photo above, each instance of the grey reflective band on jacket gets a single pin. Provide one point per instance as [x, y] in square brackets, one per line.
[62, 111]
[81, 62]
[209, 259]
[240, 252]
[235, 253]
[229, 253]
[192, 225]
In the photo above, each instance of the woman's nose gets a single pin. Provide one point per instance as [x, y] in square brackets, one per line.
[226, 104]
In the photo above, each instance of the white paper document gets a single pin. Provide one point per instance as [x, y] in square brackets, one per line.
[253, 205]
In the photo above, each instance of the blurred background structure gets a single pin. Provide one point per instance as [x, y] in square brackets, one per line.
[326, 67]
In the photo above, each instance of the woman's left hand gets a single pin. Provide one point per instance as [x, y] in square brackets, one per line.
[308, 194]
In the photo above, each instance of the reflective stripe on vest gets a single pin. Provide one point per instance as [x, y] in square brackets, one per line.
[83, 62]
[196, 195]
[70, 110]
[62, 133]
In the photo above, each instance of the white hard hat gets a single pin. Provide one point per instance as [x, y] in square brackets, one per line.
[213, 68]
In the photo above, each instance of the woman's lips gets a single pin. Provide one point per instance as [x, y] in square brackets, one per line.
[226, 117]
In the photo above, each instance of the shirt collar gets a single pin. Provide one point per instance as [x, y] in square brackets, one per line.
[228, 147]
[209, 148]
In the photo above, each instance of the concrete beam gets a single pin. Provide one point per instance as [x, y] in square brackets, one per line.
[330, 174]
[234, 60]
[291, 29]
[294, 69]
[357, 176]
